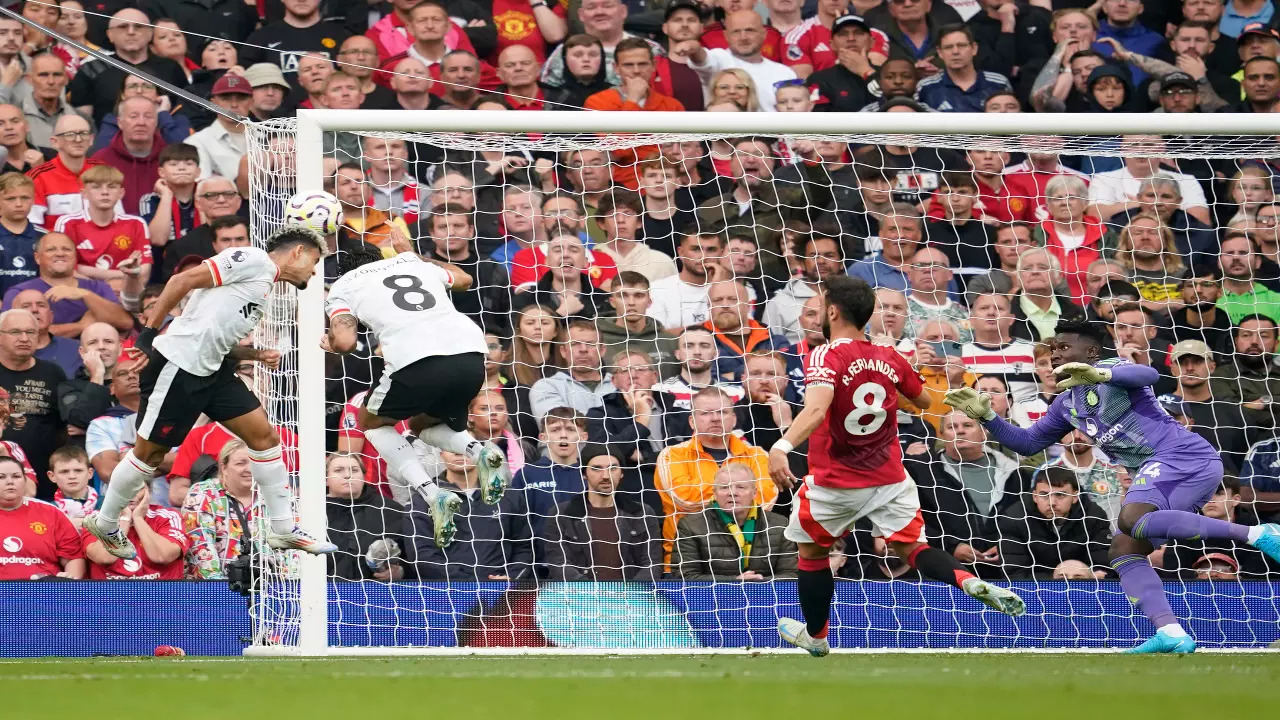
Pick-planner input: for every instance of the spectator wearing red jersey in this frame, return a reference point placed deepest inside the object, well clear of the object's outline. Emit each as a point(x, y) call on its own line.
point(855, 49)
point(1070, 233)
point(683, 21)
point(1029, 178)
point(392, 34)
point(809, 47)
point(157, 533)
point(135, 151)
point(995, 201)
point(538, 25)
point(109, 245)
point(714, 34)
point(434, 36)
point(38, 540)
point(57, 182)
point(518, 70)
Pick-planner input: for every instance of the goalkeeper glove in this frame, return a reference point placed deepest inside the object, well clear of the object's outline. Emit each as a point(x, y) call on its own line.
point(970, 402)
point(1081, 374)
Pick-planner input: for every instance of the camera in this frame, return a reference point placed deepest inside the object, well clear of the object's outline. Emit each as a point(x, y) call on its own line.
point(242, 574)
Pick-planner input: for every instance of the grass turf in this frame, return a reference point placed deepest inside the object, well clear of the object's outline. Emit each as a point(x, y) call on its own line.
point(786, 687)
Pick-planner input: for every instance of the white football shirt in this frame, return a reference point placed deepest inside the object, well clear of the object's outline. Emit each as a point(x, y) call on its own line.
point(405, 301)
point(215, 319)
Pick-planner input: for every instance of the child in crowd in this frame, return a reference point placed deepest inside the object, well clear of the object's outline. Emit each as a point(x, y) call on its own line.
point(109, 243)
point(69, 470)
point(171, 210)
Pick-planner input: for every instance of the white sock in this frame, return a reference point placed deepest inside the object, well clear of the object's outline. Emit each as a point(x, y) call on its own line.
point(126, 480)
point(1173, 630)
point(455, 441)
point(401, 459)
point(1255, 532)
point(272, 478)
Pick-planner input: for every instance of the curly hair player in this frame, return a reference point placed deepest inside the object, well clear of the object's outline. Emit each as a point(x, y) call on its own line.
point(850, 410)
point(1174, 471)
point(435, 367)
point(191, 369)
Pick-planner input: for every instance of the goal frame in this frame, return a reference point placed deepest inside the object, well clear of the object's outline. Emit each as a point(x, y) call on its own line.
point(312, 637)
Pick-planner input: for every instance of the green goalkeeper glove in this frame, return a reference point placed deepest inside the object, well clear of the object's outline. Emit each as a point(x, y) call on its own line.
point(970, 402)
point(1080, 374)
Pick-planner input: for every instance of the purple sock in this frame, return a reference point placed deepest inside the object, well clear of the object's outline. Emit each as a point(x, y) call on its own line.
point(1144, 588)
point(1179, 525)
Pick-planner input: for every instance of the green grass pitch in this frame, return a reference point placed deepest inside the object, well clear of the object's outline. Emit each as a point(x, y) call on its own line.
point(783, 687)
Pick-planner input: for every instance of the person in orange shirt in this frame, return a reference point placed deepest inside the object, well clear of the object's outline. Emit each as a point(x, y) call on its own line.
point(359, 217)
point(633, 60)
point(685, 478)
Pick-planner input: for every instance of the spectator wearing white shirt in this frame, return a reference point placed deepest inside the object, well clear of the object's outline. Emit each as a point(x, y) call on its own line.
point(744, 31)
point(1116, 191)
point(222, 144)
point(110, 435)
point(680, 300)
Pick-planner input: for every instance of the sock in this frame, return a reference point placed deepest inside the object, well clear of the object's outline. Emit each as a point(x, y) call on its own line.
point(939, 565)
point(1174, 630)
point(1144, 589)
point(1254, 533)
point(455, 441)
point(272, 478)
point(401, 459)
point(126, 480)
point(816, 587)
point(1179, 525)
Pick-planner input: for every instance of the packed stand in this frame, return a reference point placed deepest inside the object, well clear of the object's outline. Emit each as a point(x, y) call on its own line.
point(648, 312)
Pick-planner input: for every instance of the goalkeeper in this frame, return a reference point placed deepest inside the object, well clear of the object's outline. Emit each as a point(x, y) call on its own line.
point(1174, 471)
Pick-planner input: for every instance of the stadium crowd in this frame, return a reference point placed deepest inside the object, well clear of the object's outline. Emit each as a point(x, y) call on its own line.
point(648, 311)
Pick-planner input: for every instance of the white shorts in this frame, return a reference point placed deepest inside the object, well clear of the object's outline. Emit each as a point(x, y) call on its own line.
point(821, 515)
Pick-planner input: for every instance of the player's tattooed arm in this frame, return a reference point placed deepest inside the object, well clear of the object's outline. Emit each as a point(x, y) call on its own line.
point(341, 337)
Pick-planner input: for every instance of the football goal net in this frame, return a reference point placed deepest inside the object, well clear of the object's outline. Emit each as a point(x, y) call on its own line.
point(649, 287)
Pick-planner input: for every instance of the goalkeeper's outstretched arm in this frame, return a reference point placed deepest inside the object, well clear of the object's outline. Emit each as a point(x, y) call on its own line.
point(1043, 433)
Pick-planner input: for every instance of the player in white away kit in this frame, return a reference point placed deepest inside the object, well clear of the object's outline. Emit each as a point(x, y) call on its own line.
point(434, 368)
point(850, 409)
point(191, 370)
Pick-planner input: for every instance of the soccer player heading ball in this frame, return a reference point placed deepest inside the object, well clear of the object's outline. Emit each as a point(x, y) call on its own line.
point(1175, 472)
point(850, 409)
point(435, 368)
point(191, 369)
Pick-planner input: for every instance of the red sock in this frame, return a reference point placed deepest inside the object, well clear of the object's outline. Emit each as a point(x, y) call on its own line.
point(938, 565)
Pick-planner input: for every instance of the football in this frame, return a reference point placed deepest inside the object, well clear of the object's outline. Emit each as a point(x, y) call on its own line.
point(316, 209)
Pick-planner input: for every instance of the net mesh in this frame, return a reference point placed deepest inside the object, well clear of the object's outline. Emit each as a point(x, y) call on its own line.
point(1139, 231)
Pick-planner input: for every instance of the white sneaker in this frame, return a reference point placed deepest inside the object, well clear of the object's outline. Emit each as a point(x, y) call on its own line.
point(114, 542)
point(995, 597)
point(299, 539)
point(796, 633)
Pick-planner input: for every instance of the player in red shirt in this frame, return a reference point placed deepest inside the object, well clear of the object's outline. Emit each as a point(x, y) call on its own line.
point(849, 419)
point(108, 243)
point(36, 539)
point(156, 532)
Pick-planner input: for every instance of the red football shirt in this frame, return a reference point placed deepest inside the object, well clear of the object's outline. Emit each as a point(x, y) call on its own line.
point(857, 444)
point(106, 246)
point(375, 468)
point(209, 439)
point(167, 524)
point(33, 539)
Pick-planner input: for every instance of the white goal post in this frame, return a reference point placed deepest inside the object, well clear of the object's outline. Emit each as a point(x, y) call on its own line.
point(300, 621)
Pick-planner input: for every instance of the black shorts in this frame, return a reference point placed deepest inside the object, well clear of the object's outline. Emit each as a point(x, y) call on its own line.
point(173, 399)
point(441, 386)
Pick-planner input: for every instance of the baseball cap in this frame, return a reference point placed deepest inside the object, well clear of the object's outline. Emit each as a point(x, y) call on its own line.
point(850, 19)
point(1118, 288)
point(1206, 562)
point(265, 74)
point(1172, 404)
point(230, 84)
point(1190, 347)
point(1178, 78)
point(678, 5)
point(1257, 28)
